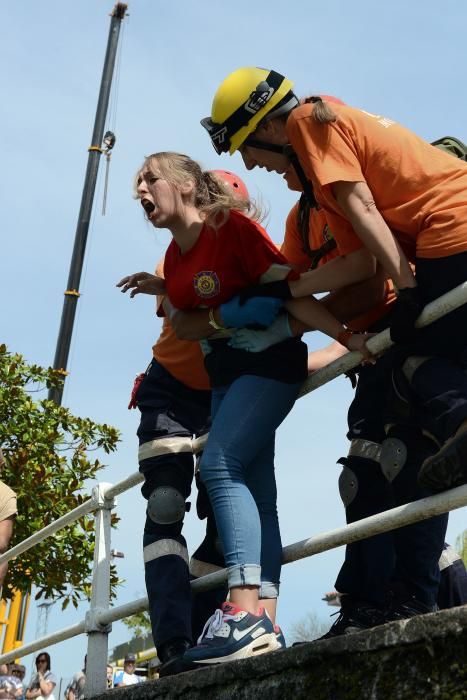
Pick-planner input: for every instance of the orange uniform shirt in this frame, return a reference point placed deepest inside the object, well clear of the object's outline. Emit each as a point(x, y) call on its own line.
point(183, 359)
point(318, 233)
point(420, 190)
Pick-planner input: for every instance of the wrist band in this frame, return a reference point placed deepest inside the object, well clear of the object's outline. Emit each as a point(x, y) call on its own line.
point(344, 337)
point(213, 322)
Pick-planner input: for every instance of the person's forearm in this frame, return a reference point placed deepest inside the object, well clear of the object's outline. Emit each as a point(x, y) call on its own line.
point(312, 314)
point(337, 273)
point(45, 687)
point(357, 203)
point(350, 302)
point(191, 325)
point(317, 359)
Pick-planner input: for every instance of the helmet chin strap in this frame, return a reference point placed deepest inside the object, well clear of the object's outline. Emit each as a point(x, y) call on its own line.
point(287, 150)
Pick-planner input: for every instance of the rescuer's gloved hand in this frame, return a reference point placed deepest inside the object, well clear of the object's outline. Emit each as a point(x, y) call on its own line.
point(407, 309)
point(257, 341)
point(279, 289)
point(258, 310)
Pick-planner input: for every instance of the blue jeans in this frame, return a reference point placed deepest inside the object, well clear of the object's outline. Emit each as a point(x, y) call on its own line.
point(237, 468)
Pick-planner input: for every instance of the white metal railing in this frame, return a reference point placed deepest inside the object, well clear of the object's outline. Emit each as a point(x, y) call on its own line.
point(98, 619)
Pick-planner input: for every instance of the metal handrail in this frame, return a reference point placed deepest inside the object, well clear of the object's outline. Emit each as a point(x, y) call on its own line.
point(97, 623)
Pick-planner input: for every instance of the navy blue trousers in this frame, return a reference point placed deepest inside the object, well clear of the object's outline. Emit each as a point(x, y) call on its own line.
point(404, 560)
point(441, 383)
point(171, 414)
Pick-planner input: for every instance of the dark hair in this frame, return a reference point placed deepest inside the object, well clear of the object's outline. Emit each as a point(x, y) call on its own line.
point(47, 656)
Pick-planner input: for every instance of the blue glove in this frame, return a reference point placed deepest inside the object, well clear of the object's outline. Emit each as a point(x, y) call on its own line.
point(257, 310)
point(257, 341)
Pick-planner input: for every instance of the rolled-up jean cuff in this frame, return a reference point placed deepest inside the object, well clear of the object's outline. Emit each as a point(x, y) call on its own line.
point(269, 589)
point(244, 575)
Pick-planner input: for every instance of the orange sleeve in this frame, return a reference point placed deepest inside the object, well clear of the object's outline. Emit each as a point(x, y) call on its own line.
point(159, 272)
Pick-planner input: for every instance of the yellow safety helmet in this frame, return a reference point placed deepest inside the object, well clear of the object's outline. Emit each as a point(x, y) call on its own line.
point(242, 100)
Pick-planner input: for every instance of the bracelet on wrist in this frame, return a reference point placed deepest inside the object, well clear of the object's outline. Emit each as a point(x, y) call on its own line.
point(213, 322)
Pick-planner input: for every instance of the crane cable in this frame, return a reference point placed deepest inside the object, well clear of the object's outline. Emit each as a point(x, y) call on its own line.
point(109, 136)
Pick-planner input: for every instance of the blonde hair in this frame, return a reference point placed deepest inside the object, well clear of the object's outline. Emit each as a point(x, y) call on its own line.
point(322, 111)
point(212, 196)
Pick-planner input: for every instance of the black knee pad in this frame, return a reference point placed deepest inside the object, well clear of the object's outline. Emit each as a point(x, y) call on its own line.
point(363, 489)
point(402, 455)
point(166, 490)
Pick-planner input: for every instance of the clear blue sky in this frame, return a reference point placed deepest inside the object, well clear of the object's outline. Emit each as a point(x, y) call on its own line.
point(404, 60)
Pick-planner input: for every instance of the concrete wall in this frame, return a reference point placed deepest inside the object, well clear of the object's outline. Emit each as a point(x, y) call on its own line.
point(417, 659)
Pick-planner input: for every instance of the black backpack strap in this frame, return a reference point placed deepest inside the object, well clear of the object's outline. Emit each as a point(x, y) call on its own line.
point(303, 223)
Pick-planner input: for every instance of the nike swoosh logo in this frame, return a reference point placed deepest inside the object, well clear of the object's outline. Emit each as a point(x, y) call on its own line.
point(237, 634)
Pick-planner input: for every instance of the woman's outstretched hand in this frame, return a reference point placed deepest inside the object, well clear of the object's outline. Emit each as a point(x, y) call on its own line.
point(142, 283)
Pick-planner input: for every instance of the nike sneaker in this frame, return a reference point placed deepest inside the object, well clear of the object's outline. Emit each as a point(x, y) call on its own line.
point(280, 637)
point(230, 634)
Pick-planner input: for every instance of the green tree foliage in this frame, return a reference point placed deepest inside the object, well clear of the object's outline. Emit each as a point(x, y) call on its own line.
point(139, 624)
point(48, 453)
point(461, 546)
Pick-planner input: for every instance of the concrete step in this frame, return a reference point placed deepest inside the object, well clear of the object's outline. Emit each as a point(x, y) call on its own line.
point(417, 659)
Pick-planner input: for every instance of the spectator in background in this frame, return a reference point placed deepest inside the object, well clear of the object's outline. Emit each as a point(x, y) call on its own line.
point(75, 689)
point(19, 671)
point(110, 676)
point(7, 515)
point(128, 675)
point(10, 683)
point(43, 681)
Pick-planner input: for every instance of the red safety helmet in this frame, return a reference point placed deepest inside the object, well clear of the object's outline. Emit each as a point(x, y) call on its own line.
point(235, 183)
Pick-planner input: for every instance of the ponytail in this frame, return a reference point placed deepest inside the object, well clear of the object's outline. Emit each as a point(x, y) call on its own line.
point(322, 112)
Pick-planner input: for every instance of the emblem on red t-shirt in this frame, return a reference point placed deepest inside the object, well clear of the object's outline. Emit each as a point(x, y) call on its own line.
point(206, 284)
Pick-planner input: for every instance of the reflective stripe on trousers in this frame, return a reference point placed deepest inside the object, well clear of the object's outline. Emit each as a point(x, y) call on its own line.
point(162, 548)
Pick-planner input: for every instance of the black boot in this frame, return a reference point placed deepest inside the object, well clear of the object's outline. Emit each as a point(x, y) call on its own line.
point(408, 608)
point(171, 657)
point(355, 616)
point(448, 467)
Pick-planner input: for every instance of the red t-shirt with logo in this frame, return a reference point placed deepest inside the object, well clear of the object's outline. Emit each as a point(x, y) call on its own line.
point(220, 264)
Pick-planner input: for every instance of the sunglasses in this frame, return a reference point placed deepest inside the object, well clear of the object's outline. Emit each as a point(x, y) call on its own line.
point(41, 661)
